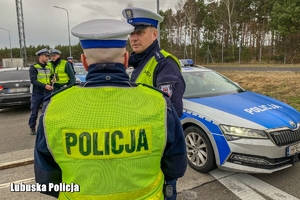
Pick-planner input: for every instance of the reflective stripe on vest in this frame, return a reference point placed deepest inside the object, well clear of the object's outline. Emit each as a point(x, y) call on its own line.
point(60, 69)
point(146, 76)
point(101, 148)
point(43, 74)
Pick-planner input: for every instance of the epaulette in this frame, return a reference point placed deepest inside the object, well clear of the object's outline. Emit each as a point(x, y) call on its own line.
point(159, 56)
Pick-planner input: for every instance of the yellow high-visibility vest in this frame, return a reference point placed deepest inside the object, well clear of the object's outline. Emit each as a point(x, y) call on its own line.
point(109, 141)
point(43, 75)
point(59, 70)
point(146, 76)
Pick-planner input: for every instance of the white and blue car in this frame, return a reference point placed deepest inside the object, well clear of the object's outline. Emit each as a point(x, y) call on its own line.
point(233, 129)
point(80, 73)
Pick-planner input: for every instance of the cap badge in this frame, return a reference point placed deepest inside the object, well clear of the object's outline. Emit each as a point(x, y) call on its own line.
point(128, 13)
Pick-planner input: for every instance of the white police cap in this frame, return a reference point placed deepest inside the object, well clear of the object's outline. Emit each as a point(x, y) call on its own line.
point(102, 33)
point(55, 51)
point(140, 17)
point(42, 52)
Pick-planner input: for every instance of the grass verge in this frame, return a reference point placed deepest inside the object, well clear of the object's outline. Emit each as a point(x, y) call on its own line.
point(283, 86)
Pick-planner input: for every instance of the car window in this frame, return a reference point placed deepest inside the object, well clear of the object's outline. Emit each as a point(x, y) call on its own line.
point(14, 75)
point(208, 83)
point(80, 70)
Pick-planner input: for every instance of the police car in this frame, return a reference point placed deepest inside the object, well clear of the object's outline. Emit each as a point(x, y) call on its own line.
point(233, 129)
point(80, 73)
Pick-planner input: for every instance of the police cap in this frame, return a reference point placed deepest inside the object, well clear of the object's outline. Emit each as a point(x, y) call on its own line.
point(70, 58)
point(102, 33)
point(141, 18)
point(55, 52)
point(42, 52)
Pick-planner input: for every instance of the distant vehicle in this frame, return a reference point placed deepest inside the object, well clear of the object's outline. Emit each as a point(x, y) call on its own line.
point(14, 87)
point(80, 73)
point(233, 129)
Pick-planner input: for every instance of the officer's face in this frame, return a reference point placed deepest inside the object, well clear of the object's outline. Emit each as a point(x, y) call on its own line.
point(54, 57)
point(43, 58)
point(140, 40)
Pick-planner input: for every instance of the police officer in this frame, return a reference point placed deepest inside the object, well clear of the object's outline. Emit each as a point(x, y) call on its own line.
point(61, 70)
point(70, 61)
point(39, 74)
point(152, 65)
point(114, 158)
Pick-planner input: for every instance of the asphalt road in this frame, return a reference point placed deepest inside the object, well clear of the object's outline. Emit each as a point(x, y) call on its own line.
point(219, 185)
point(14, 129)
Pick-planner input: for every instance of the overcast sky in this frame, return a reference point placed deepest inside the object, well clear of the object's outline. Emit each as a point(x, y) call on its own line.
point(47, 25)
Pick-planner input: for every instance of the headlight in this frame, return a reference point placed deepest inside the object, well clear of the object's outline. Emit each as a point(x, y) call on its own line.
point(242, 132)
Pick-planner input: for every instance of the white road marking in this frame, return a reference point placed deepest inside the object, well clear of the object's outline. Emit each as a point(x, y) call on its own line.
point(247, 187)
point(27, 180)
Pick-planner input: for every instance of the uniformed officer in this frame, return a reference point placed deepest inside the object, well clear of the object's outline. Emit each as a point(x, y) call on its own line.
point(62, 71)
point(152, 65)
point(91, 141)
point(39, 74)
point(71, 62)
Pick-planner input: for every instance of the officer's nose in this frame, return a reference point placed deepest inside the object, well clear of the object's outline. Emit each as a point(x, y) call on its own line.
point(133, 37)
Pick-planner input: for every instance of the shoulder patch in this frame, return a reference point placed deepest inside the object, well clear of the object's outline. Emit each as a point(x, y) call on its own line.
point(162, 92)
point(166, 88)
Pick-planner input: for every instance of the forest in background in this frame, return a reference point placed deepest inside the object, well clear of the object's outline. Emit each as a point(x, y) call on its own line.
point(217, 31)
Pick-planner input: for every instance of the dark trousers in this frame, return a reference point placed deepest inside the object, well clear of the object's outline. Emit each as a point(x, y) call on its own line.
point(36, 101)
point(173, 184)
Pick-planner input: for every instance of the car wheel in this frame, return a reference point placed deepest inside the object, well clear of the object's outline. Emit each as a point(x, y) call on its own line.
point(199, 150)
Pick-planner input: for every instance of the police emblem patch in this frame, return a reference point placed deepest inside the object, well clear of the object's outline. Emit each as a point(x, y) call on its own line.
point(128, 13)
point(167, 88)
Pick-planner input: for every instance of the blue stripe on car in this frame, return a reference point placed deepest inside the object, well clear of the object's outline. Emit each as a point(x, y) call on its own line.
point(257, 108)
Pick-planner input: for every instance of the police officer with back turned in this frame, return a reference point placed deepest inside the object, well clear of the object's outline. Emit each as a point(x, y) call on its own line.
point(39, 74)
point(152, 65)
point(92, 144)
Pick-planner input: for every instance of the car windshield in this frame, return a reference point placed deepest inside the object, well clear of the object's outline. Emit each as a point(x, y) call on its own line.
point(14, 75)
point(208, 83)
point(80, 70)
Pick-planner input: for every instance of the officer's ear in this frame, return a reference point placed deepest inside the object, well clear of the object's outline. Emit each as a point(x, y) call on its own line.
point(83, 60)
point(126, 59)
point(154, 32)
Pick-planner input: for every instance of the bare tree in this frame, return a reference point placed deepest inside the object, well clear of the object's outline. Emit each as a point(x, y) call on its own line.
point(190, 11)
point(179, 24)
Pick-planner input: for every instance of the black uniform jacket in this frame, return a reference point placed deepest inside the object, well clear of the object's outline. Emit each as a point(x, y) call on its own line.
point(167, 74)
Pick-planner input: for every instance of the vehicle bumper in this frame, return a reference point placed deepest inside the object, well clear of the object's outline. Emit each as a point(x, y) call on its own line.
point(9, 101)
point(257, 156)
